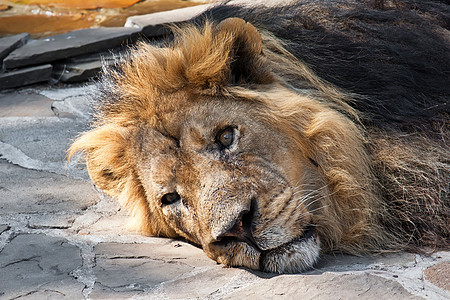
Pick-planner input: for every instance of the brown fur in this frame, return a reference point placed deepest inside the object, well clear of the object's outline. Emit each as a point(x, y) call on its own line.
point(298, 135)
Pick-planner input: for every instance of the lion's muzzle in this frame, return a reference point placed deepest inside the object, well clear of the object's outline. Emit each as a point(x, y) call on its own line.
point(241, 231)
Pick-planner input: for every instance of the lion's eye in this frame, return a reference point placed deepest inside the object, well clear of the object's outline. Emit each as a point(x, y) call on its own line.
point(170, 198)
point(225, 137)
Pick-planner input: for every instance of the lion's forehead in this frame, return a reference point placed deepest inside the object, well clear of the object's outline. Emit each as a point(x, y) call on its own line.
point(192, 111)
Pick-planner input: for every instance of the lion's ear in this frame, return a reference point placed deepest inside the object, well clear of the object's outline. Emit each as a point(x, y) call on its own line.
point(106, 157)
point(247, 63)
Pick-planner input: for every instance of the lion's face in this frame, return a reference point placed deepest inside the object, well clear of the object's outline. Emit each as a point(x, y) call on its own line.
point(207, 141)
point(223, 178)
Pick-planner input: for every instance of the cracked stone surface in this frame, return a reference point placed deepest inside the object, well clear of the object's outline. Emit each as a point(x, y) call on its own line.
point(325, 286)
point(62, 238)
point(38, 263)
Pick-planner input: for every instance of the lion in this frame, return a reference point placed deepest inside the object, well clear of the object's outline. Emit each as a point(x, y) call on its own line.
point(270, 135)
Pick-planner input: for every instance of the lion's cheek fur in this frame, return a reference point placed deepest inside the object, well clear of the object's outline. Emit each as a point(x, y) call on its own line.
point(348, 208)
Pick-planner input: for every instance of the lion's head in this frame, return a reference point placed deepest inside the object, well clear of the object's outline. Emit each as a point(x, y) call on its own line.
point(208, 139)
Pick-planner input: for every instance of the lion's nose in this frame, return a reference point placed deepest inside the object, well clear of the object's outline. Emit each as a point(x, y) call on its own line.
point(241, 227)
point(240, 231)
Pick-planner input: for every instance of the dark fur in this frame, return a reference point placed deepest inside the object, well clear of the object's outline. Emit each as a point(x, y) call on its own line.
point(395, 55)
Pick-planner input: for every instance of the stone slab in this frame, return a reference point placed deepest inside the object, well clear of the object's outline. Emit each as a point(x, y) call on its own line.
point(208, 283)
point(142, 274)
point(43, 139)
point(116, 224)
point(3, 228)
point(25, 76)
point(326, 286)
point(73, 107)
point(51, 220)
point(344, 262)
point(25, 105)
point(77, 72)
point(82, 68)
point(9, 43)
point(28, 122)
point(30, 191)
point(33, 265)
point(162, 249)
point(160, 266)
point(70, 44)
point(59, 94)
point(156, 24)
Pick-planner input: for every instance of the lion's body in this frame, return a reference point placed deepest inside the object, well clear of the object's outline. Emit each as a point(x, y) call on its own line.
point(228, 139)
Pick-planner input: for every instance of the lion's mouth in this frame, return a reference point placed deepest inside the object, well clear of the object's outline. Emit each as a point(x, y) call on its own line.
point(295, 256)
point(308, 233)
point(249, 239)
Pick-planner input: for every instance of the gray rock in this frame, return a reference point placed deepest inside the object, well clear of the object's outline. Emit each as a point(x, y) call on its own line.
point(156, 24)
point(72, 107)
point(326, 286)
point(3, 228)
point(145, 269)
point(25, 76)
point(113, 222)
point(31, 192)
point(9, 43)
point(82, 68)
point(162, 249)
point(51, 220)
point(70, 44)
point(77, 72)
point(344, 263)
point(41, 139)
point(103, 292)
point(36, 265)
point(25, 105)
point(146, 265)
point(59, 94)
point(167, 268)
point(207, 283)
point(32, 137)
point(142, 274)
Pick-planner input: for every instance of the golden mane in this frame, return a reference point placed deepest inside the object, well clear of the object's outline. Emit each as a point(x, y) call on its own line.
point(200, 61)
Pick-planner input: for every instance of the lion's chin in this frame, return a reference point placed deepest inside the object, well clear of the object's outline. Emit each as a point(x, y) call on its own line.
point(294, 257)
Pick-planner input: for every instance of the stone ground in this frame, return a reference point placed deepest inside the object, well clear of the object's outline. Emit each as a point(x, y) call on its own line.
point(62, 238)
